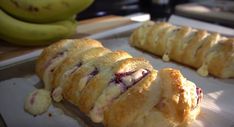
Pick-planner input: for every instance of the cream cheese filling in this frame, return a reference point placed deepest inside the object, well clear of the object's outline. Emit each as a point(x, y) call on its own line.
point(113, 90)
point(67, 73)
point(57, 92)
point(130, 79)
point(166, 58)
point(83, 81)
point(47, 76)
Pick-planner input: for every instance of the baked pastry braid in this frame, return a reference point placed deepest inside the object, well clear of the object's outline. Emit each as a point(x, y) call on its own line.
point(108, 85)
point(207, 52)
point(55, 54)
point(117, 90)
point(73, 63)
point(79, 79)
point(167, 107)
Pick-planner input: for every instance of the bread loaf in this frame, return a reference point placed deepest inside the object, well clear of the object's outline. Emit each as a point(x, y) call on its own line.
point(207, 52)
point(115, 89)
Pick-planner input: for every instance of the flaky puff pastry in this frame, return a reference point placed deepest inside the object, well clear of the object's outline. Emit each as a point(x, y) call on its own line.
point(53, 55)
point(70, 65)
point(103, 88)
point(191, 47)
point(220, 59)
point(78, 80)
point(146, 33)
point(163, 99)
point(120, 91)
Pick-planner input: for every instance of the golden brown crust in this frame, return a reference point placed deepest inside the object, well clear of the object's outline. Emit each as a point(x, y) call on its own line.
point(175, 52)
point(161, 46)
point(143, 96)
point(139, 35)
point(171, 80)
point(203, 50)
point(184, 45)
point(132, 103)
point(95, 87)
point(74, 87)
point(74, 60)
point(131, 64)
point(156, 28)
point(48, 53)
point(148, 119)
point(189, 52)
point(93, 90)
point(179, 96)
point(174, 103)
point(66, 45)
point(220, 65)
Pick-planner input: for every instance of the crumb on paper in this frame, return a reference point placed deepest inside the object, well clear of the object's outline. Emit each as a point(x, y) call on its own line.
point(50, 114)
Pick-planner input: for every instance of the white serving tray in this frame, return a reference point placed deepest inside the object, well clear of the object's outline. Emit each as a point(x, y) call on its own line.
point(16, 82)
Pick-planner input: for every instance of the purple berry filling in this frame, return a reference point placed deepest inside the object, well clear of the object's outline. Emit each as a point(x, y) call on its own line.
point(52, 70)
point(92, 74)
point(199, 94)
point(76, 67)
point(118, 79)
point(47, 64)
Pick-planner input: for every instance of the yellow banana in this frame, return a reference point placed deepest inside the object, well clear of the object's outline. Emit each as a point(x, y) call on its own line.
point(44, 11)
point(24, 33)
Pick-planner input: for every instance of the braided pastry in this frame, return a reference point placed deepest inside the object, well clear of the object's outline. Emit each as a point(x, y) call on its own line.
point(115, 89)
point(207, 52)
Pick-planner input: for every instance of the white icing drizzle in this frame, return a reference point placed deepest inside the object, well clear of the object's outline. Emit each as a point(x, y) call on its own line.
point(166, 57)
point(203, 70)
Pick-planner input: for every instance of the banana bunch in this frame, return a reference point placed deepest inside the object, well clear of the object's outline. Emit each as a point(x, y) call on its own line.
point(39, 22)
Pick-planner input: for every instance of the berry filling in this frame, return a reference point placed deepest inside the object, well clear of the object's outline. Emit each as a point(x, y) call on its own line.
point(86, 79)
point(128, 79)
point(92, 74)
point(199, 95)
point(75, 68)
point(118, 85)
point(59, 54)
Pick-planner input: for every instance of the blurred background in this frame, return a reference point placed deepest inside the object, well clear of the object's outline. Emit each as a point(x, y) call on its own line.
point(214, 11)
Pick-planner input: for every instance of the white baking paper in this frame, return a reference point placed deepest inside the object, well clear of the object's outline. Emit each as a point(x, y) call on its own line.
point(217, 105)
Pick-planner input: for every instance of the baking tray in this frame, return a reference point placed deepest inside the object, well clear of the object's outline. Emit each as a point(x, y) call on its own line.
point(216, 11)
point(16, 82)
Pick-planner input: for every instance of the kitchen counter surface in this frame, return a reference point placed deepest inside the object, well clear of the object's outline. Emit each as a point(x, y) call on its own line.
point(84, 28)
